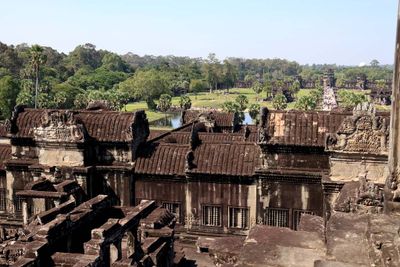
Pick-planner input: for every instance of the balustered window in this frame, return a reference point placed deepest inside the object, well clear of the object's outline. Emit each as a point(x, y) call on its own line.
point(3, 199)
point(211, 215)
point(276, 217)
point(17, 203)
point(239, 218)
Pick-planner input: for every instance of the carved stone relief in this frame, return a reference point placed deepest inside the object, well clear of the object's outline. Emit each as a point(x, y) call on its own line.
point(59, 126)
point(363, 133)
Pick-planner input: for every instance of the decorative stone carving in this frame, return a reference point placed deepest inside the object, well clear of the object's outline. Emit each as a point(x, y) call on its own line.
point(208, 120)
point(60, 127)
point(362, 196)
point(369, 194)
point(262, 135)
point(361, 133)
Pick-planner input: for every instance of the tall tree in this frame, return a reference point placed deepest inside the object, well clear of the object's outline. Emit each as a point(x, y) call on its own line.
point(9, 89)
point(254, 112)
point(164, 104)
point(267, 87)
point(37, 59)
point(306, 102)
point(146, 85)
point(212, 71)
point(349, 99)
point(230, 74)
point(185, 102)
point(374, 63)
point(257, 88)
point(243, 101)
point(231, 107)
point(294, 88)
point(279, 102)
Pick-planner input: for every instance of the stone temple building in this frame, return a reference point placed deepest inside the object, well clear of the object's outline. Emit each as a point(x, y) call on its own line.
point(96, 187)
point(215, 176)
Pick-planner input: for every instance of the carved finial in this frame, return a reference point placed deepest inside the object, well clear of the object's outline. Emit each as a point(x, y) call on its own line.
point(194, 136)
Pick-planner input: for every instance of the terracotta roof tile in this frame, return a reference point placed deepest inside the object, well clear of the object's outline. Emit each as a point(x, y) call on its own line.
point(304, 128)
point(233, 159)
point(176, 137)
point(162, 159)
point(184, 137)
point(107, 125)
point(155, 133)
point(5, 154)
point(221, 137)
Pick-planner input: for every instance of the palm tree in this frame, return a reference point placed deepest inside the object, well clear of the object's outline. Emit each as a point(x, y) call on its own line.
point(37, 59)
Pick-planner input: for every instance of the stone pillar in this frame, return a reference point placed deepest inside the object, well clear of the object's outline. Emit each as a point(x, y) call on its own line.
point(392, 192)
point(10, 192)
point(252, 200)
point(25, 214)
point(188, 202)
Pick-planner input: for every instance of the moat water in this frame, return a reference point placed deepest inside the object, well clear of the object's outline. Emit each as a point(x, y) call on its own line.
point(173, 120)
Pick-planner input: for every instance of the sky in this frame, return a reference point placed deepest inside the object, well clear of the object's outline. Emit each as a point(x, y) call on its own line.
point(344, 32)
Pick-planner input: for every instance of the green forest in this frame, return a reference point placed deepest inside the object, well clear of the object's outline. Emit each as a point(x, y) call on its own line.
point(38, 76)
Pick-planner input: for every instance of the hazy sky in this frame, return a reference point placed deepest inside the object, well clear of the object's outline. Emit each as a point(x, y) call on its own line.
point(308, 31)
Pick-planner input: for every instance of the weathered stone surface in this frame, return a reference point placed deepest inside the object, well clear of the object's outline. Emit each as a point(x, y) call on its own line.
point(311, 223)
point(272, 246)
point(61, 241)
point(223, 251)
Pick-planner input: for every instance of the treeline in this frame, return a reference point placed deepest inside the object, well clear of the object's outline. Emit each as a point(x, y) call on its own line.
point(43, 77)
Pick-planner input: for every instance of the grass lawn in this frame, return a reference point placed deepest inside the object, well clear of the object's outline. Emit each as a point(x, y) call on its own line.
point(217, 98)
point(207, 100)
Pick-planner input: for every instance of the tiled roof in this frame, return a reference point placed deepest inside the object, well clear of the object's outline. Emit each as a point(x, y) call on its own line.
point(232, 159)
point(100, 125)
point(302, 128)
point(155, 133)
point(252, 129)
point(176, 137)
point(221, 137)
point(107, 125)
point(305, 128)
point(5, 154)
point(162, 159)
point(27, 120)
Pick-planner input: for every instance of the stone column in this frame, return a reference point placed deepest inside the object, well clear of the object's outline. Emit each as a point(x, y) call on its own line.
point(392, 192)
point(25, 214)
